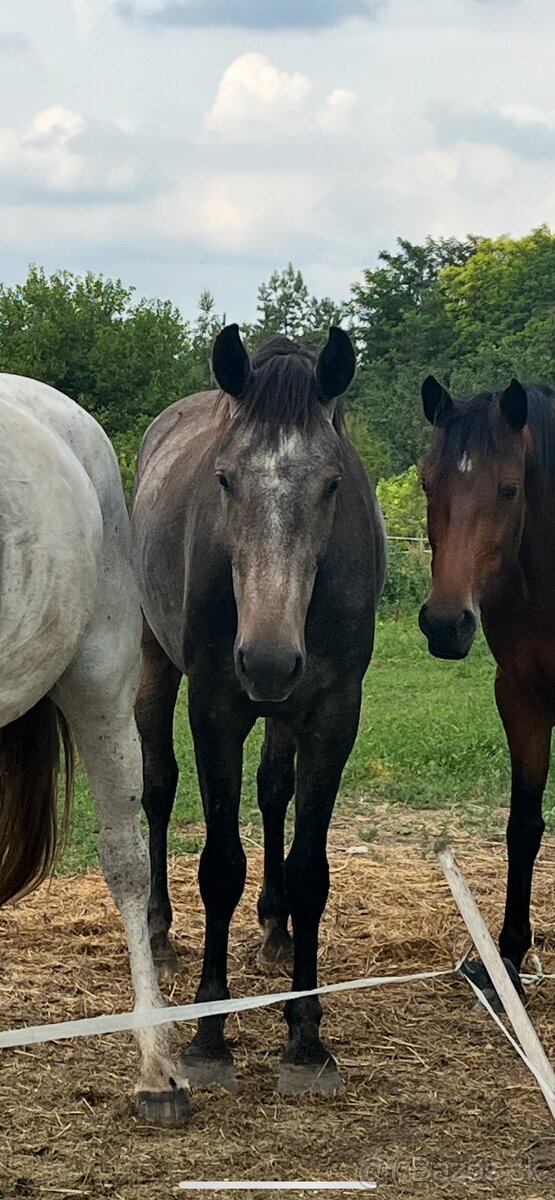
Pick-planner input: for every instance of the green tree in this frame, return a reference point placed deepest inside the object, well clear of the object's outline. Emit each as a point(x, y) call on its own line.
point(403, 331)
point(285, 306)
point(204, 330)
point(504, 284)
point(122, 360)
point(402, 291)
point(403, 505)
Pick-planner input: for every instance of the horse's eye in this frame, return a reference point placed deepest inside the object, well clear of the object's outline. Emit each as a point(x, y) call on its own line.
point(508, 492)
point(223, 481)
point(333, 485)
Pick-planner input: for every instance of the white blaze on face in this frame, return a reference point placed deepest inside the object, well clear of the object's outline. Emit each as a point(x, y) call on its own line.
point(465, 464)
point(276, 491)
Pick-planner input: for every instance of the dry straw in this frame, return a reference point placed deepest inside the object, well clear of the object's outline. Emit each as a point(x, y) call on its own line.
point(435, 1104)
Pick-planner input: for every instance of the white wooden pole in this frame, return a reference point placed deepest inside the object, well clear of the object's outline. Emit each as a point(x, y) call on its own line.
point(494, 965)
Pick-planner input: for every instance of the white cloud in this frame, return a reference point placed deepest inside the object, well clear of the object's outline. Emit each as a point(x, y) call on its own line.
point(13, 42)
point(43, 150)
point(183, 157)
point(334, 114)
point(409, 175)
point(528, 114)
point(62, 154)
point(253, 92)
point(254, 95)
point(238, 211)
point(89, 13)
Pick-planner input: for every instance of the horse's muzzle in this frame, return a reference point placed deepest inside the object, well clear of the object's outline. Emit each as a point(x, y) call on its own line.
point(449, 636)
point(269, 671)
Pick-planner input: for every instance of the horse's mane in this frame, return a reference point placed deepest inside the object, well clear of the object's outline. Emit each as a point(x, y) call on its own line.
point(472, 426)
point(282, 393)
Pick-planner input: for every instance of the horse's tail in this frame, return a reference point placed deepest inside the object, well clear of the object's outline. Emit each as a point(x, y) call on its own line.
point(30, 831)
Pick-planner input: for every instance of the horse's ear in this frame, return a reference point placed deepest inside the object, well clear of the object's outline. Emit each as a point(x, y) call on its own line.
point(436, 399)
point(230, 362)
point(513, 403)
point(336, 365)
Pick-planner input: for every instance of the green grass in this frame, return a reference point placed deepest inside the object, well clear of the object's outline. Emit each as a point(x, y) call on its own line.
point(429, 738)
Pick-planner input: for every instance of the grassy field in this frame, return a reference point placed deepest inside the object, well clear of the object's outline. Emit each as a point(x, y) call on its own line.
point(430, 738)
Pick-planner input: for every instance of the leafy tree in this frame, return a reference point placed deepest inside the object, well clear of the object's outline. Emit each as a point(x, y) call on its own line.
point(504, 284)
point(285, 306)
point(207, 325)
point(374, 452)
point(403, 505)
point(404, 286)
point(122, 360)
point(472, 312)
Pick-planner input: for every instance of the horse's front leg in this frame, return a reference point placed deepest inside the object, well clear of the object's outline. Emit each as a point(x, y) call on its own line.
point(323, 749)
point(218, 733)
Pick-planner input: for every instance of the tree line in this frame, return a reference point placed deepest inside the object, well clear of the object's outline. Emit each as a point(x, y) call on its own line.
point(474, 312)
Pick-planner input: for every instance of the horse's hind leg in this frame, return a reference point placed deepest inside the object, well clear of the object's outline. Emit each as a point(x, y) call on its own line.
point(528, 731)
point(96, 695)
point(276, 784)
point(154, 711)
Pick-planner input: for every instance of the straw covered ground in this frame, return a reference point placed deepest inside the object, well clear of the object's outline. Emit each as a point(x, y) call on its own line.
point(437, 1104)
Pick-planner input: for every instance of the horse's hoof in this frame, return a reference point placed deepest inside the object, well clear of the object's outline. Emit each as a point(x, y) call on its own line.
point(322, 1079)
point(474, 969)
point(167, 1110)
point(209, 1072)
point(164, 956)
point(276, 949)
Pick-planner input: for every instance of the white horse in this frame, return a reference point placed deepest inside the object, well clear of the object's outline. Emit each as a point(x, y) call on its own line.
point(70, 631)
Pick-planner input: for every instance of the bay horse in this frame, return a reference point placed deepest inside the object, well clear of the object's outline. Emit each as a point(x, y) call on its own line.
point(70, 633)
point(259, 550)
point(490, 487)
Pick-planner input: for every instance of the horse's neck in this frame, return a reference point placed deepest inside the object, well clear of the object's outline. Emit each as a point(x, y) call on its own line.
point(537, 551)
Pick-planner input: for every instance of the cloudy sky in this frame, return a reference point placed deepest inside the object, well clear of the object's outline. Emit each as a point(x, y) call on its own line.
point(183, 144)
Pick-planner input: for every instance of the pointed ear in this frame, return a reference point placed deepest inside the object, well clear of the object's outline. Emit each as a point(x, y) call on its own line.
point(336, 365)
point(513, 403)
point(436, 399)
point(230, 362)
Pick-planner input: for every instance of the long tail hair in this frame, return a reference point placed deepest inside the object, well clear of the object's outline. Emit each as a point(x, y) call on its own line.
point(30, 832)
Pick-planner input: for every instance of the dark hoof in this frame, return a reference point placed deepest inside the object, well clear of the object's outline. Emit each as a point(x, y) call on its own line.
point(209, 1072)
point(276, 949)
point(322, 1079)
point(164, 956)
point(168, 1110)
point(474, 969)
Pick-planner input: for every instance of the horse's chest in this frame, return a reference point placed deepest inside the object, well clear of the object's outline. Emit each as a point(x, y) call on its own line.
point(529, 664)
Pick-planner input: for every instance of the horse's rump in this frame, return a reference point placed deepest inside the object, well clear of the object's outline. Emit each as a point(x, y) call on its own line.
point(30, 832)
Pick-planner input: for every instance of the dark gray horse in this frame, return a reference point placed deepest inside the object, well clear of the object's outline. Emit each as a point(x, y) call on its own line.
point(259, 550)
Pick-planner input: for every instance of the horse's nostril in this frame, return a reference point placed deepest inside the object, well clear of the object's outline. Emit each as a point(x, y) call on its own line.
point(297, 669)
point(241, 662)
point(423, 620)
point(467, 619)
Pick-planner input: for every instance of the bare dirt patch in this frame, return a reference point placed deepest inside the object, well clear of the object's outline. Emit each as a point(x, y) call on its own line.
point(437, 1104)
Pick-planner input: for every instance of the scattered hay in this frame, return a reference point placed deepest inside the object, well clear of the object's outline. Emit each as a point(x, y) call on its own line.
point(437, 1104)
